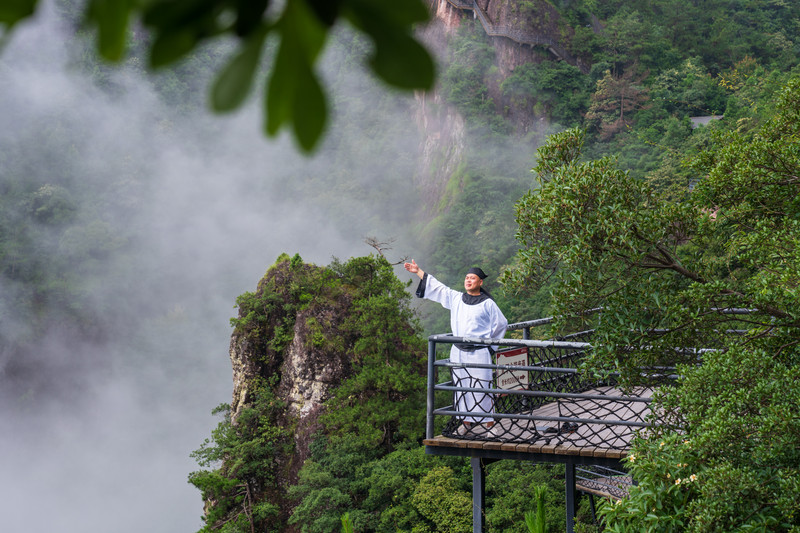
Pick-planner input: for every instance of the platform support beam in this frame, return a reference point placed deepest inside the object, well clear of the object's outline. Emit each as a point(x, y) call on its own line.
point(478, 495)
point(569, 478)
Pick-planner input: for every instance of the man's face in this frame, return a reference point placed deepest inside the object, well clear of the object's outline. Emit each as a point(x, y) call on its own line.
point(473, 283)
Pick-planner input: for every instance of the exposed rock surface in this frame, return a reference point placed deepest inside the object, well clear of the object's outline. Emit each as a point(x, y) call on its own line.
point(522, 32)
point(443, 130)
point(306, 370)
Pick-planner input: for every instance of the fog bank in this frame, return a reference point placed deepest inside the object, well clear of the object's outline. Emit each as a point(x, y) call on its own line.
point(96, 432)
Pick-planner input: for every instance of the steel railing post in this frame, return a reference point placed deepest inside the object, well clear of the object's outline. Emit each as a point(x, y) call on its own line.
point(431, 385)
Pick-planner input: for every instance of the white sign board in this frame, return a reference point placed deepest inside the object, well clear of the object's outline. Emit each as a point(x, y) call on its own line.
point(512, 379)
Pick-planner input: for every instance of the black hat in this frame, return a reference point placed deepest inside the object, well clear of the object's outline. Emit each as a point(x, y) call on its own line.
point(477, 271)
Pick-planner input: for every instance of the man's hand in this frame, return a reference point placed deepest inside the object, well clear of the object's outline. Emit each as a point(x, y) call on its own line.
point(414, 269)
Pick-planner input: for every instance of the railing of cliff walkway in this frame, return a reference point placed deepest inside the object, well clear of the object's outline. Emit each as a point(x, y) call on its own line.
point(550, 400)
point(509, 32)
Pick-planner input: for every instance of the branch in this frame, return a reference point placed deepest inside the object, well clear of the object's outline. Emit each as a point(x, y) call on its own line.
point(666, 260)
point(381, 246)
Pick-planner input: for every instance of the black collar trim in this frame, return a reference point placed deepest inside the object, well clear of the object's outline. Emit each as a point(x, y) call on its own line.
point(475, 300)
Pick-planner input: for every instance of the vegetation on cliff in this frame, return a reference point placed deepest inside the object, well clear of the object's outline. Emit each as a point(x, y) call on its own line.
point(356, 314)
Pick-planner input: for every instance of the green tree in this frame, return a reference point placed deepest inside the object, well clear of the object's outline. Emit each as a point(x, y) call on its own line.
point(244, 456)
point(614, 104)
point(689, 90)
point(664, 272)
point(439, 499)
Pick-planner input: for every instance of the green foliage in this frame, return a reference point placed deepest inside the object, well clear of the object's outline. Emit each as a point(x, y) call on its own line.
point(438, 499)
point(537, 522)
point(14, 11)
point(660, 268)
point(294, 94)
point(511, 492)
point(464, 80)
point(374, 489)
point(588, 228)
point(733, 467)
point(390, 484)
point(382, 402)
point(688, 90)
point(244, 456)
point(346, 526)
point(668, 474)
point(558, 86)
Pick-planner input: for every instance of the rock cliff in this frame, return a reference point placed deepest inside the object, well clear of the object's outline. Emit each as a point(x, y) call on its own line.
point(521, 32)
point(285, 347)
point(314, 350)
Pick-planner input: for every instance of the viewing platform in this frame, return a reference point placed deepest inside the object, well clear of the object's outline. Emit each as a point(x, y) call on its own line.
point(545, 410)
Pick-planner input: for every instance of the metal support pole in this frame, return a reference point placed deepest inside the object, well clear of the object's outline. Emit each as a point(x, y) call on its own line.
point(431, 384)
point(478, 494)
point(526, 333)
point(594, 510)
point(570, 493)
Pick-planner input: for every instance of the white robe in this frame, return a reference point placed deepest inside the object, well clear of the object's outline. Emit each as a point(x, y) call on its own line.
point(483, 319)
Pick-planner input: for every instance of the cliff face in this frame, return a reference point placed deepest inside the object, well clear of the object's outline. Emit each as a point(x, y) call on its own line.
point(521, 32)
point(307, 376)
point(305, 369)
point(443, 132)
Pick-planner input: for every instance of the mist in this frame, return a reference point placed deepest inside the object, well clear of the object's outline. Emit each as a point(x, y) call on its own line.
point(96, 430)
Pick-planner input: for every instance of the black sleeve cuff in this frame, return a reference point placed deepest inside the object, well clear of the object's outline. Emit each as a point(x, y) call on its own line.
point(421, 286)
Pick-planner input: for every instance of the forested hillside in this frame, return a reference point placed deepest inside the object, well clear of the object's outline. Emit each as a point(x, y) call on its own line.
point(653, 67)
point(123, 234)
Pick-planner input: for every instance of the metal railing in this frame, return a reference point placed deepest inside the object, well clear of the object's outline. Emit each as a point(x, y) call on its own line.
point(544, 400)
point(544, 396)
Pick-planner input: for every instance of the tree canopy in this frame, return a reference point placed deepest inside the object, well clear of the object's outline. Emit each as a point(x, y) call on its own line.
point(670, 277)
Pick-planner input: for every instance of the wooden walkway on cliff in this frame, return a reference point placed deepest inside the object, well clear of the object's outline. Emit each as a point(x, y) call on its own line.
point(519, 36)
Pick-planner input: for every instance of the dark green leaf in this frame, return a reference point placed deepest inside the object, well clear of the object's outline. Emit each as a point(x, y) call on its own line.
point(412, 68)
point(250, 14)
point(303, 29)
point(309, 110)
point(171, 46)
point(111, 17)
point(294, 94)
point(235, 80)
point(12, 11)
point(181, 14)
point(326, 10)
point(280, 90)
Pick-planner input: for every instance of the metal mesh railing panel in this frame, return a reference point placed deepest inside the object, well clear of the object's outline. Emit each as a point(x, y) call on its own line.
point(603, 481)
point(545, 400)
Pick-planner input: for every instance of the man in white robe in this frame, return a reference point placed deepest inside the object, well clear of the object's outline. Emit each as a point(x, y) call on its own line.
point(472, 314)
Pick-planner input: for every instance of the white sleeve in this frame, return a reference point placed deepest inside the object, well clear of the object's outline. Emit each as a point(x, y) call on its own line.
point(440, 293)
